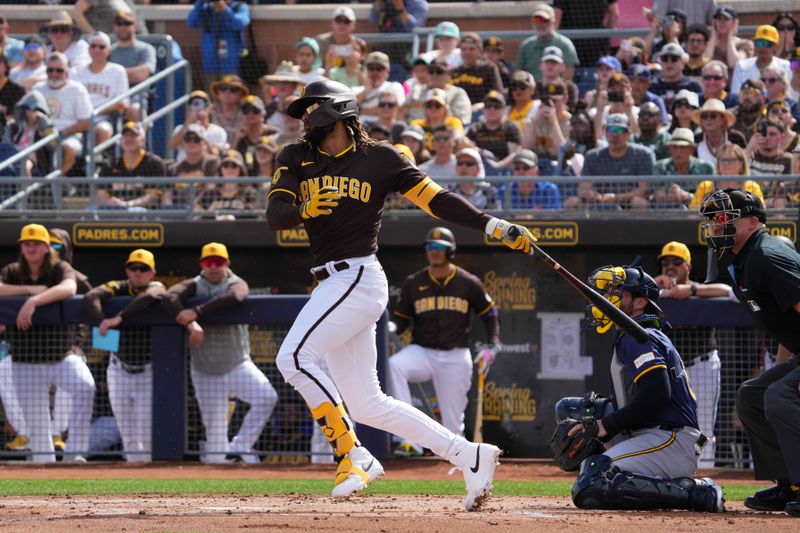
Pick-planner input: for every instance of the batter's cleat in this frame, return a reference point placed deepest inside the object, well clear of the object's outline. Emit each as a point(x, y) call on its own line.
point(356, 471)
point(477, 462)
point(407, 449)
point(58, 443)
point(19, 444)
point(770, 499)
point(715, 496)
point(793, 507)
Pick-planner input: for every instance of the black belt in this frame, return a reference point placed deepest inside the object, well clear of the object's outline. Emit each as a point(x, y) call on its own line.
point(130, 369)
point(701, 440)
point(323, 274)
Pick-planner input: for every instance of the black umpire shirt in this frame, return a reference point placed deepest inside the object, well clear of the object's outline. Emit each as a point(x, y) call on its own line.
point(766, 279)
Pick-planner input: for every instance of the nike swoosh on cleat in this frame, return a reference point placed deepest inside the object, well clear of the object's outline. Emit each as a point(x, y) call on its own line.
point(370, 465)
point(477, 466)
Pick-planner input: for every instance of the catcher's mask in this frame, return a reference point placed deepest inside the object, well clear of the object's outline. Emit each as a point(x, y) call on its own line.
point(325, 102)
point(723, 209)
point(610, 281)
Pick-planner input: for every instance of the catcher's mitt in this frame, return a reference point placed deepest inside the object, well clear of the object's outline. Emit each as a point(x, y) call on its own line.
point(568, 452)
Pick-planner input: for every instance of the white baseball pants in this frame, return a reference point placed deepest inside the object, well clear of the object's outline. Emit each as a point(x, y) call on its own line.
point(8, 395)
point(131, 398)
point(705, 377)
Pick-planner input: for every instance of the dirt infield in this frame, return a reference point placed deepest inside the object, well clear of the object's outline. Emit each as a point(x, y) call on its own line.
point(379, 513)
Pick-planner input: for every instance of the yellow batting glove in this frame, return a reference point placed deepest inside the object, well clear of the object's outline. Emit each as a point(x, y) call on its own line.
point(515, 236)
point(322, 202)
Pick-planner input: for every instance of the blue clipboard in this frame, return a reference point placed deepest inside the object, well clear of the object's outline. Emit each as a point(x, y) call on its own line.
point(109, 343)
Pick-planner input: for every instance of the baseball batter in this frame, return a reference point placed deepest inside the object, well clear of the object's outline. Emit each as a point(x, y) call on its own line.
point(221, 364)
point(440, 300)
point(130, 372)
point(335, 183)
point(652, 417)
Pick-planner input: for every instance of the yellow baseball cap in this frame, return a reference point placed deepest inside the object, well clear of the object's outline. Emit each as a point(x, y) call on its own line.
point(768, 33)
point(34, 232)
point(142, 256)
point(677, 249)
point(214, 249)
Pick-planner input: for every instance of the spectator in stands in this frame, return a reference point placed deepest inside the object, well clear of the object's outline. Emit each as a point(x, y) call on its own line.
point(521, 92)
point(581, 140)
point(640, 79)
point(715, 122)
point(789, 33)
point(552, 69)
point(70, 107)
point(538, 194)
point(493, 53)
point(680, 162)
point(65, 37)
point(683, 107)
point(605, 69)
point(197, 163)
point(631, 52)
point(549, 128)
point(339, 43)
point(104, 81)
point(398, 16)
point(290, 131)
point(652, 132)
point(134, 162)
point(351, 73)
point(443, 162)
point(617, 99)
point(306, 55)
point(198, 113)
point(714, 79)
point(697, 36)
point(97, 15)
point(672, 60)
point(532, 49)
point(138, 58)
point(32, 70)
point(12, 48)
point(475, 75)
point(388, 109)
point(414, 138)
point(794, 84)
point(437, 112)
point(264, 160)
point(31, 123)
point(780, 110)
point(446, 40)
point(693, 11)
point(619, 158)
point(275, 88)
point(576, 15)
point(766, 43)
point(666, 29)
point(456, 97)
point(226, 112)
point(765, 149)
point(379, 133)
point(251, 128)
point(752, 102)
point(776, 85)
point(731, 161)
point(471, 184)
point(10, 92)
point(377, 82)
point(221, 23)
point(416, 86)
point(724, 45)
point(494, 133)
point(230, 195)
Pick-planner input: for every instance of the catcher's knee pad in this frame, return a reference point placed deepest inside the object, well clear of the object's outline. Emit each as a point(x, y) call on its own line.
point(576, 407)
point(336, 426)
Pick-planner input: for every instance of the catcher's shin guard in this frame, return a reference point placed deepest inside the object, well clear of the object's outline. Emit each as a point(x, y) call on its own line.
point(336, 426)
point(603, 486)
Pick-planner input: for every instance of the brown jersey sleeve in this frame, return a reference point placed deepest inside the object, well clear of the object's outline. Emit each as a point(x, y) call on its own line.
point(284, 195)
point(93, 301)
point(177, 294)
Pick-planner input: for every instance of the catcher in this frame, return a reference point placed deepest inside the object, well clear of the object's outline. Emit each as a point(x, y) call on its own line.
point(649, 425)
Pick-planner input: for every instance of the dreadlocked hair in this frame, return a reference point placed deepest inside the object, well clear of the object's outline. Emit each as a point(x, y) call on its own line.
point(360, 135)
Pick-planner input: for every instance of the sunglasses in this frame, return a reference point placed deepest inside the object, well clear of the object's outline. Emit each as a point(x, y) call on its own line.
point(674, 261)
point(192, 138)
point(649, 115)
point(469, 163)
point(779, 110)
point(58, 70)
point(709, 116)
point(763, 43)
point(57, 247)
point(493, 106)
point(375, 68)
point(770, 81)
point(230, 164)
point(710, 77)
point(785, 27)
point(32, 47)
point(342, 20)
point(212, 262)
point(61, 29)
point(387, 104)
point(96, 46)
point(540, 20)
point(138, 267)
point(441, 139)
point(670, 59)
point(684, 104)
point(436, 71)
point(251, 110)
point(123, 23)
point(433, 105)
point(521, 168)
point(435, 247)
point(198, 103)
point(617, 130)
point(729, 160)
point(519, 87)
point(229, 89)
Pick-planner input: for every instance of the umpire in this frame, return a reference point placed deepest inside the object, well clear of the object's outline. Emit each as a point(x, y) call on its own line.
point(766, 279)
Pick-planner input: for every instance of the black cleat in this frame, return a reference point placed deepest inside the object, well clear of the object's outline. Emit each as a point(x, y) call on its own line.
point(769, 499)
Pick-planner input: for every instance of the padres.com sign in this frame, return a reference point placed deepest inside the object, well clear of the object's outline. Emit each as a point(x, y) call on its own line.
point(117, 234)
point(547, 233)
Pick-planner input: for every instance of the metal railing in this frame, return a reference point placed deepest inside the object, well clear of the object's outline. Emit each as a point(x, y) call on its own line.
point(22, 157)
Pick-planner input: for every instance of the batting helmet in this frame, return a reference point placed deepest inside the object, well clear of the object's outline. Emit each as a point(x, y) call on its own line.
point(611, 281)
point(326, 102)
point(722, 208)
point(444, 237)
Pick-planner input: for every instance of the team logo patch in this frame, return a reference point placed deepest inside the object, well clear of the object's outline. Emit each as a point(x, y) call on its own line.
point(644, 358)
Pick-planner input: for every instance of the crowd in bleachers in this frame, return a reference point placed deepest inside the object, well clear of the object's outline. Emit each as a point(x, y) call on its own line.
point(669, 104)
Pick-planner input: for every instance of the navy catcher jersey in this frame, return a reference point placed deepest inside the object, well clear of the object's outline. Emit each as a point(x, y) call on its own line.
point(632, 360)
point(440, 309)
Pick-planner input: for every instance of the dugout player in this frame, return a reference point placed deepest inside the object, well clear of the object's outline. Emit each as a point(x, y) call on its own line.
point(703, 365)
point(221, 363)
point(130, 372)
point(652, 417)
point(766, 279)
point(440, 300)
point(335, 183)
point(40, 353)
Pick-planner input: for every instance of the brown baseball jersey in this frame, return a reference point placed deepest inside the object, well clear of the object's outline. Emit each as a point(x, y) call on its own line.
point(441, 308)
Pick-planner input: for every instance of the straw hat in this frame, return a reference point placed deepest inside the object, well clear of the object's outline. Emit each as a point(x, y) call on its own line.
point(231, 81)
point(715, 106)
point(284, 72)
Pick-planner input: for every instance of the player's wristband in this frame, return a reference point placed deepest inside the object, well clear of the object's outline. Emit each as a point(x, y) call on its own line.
point(496, 228)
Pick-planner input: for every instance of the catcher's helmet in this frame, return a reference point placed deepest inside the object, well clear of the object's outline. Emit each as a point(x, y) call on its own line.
point(612, 280)
point(443, 236)
point(326, 102)
point(722, 208)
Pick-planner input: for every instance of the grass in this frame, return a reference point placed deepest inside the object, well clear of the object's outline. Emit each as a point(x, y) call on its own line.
point(60, 487)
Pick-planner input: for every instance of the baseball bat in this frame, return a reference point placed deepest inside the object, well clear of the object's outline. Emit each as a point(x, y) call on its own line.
point(477, 435)
point(614, 313)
